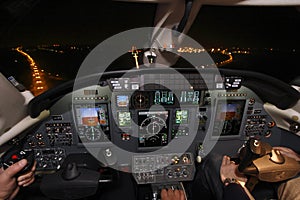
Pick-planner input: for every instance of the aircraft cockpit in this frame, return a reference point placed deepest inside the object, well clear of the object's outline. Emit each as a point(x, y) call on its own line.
point(113, 132)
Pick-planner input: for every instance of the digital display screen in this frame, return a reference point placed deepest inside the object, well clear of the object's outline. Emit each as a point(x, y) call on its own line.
point(190, 97)
point(124, 119)
point(163, 97)
point(122, 100)
point(181, 116)
point(228, 119)
point(153, 128)
point(92, 121)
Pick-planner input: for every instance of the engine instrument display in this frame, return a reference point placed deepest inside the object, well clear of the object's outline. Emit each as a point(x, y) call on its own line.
point(92, 121)
point(153, 128)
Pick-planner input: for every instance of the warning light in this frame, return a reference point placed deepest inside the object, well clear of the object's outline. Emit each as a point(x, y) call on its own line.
point(14, 157)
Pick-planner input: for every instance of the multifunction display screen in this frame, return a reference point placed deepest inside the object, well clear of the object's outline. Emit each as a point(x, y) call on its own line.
point(181, 116)
point(153, 128)
point(228, 118)
point(92, 121)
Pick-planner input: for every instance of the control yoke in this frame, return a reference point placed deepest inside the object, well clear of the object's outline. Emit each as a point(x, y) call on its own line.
point(261, 162)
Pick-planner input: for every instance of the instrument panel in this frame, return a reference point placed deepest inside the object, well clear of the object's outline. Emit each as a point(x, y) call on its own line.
point(152, 117)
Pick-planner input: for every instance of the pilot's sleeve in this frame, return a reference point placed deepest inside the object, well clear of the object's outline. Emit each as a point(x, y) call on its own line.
point(289, 190)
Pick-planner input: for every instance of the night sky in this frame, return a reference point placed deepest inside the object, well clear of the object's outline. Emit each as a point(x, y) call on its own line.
point(91, 21)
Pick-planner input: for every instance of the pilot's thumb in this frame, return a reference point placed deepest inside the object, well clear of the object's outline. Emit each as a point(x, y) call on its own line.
point(15, 168)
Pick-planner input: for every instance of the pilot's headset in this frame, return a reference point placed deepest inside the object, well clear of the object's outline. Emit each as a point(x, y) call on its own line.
point(261, 162)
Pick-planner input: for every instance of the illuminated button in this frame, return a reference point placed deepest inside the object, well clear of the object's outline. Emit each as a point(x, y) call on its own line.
point(175, 160)
point(14, 157)
point(271, 124)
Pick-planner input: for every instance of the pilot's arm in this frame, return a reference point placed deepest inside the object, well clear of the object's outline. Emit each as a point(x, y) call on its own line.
point(234, 182)
point(289, 190)
point(10, 184)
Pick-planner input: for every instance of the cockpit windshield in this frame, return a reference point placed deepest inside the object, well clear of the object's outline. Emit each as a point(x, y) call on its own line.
point(52, 38)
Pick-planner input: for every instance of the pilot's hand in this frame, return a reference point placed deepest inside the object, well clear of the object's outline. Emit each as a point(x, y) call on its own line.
point(288, 152)
point(229, 169)
point(27, 178)
point(172, 194)
point(9, 186)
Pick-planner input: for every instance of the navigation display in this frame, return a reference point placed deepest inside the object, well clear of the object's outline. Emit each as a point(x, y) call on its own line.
point(228, 119)
point(92, 121)
point(153, 128)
